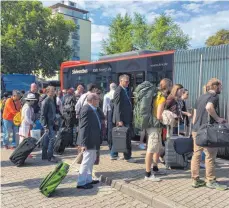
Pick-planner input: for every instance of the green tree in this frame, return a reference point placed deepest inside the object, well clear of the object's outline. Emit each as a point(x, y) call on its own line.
point(221, 37)
point(165, 35)
point(140, 32)
point(120, 36)
point(126, 34)
point(32, 40)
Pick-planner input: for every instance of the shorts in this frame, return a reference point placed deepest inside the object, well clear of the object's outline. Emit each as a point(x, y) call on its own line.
point(154, 140)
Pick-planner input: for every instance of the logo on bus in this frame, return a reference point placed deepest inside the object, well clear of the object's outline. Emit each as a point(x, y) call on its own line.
point(81, 71)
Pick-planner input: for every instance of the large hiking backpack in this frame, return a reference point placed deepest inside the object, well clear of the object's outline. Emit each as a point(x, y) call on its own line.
point(143, 106)
point(69, 104)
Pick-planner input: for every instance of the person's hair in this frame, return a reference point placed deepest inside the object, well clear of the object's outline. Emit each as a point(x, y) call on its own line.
point(23, 91)
point(41, 91)
point(211, 83)
point(49, 88)
point(91, 86)
point(113, 86)
point(123, 76)
point(92, 96)
point(185, 90)
point(164, 84)
point(175, 88)
point(79, 86)
point(59, 93)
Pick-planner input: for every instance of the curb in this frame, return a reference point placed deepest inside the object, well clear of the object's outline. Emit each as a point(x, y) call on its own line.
point(141, 195)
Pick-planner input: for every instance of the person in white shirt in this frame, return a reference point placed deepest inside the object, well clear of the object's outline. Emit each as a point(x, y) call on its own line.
point(83, 99)
point(27, 116)
point(107, 110)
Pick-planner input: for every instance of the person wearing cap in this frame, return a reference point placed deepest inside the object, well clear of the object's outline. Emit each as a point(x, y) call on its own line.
point(27, 116)
point(12, 107)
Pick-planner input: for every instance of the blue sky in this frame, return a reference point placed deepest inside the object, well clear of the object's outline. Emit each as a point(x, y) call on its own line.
point(198, 19)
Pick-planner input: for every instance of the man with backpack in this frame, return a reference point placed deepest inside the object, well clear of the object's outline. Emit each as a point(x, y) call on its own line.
point(69, 113)
point(148, 111)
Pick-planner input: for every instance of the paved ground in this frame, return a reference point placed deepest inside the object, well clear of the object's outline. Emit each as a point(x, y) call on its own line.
point(173, 191)
point(19, 187)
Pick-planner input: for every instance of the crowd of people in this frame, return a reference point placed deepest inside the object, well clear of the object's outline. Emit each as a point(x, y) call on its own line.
point(93, 116)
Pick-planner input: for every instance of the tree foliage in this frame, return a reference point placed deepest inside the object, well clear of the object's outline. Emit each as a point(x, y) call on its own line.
point(221, 37)
point(166, 35)
point(32, 40)
point(126, 34)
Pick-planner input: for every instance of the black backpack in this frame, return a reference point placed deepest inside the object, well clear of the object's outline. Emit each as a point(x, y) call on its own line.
point(69, 104)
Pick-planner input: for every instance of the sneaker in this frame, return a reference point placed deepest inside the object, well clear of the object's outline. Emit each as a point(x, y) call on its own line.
point(196, 183)
point(160, 172)
point(53, 159)
point(152, 178)
point(131, 160)
point(217, 186)
point(142, 146)
point(114, 158)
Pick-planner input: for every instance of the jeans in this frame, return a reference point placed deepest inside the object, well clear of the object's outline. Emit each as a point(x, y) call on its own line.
point(127, 155)
point(210, 156)
point(48, 144)
point(7, 127)
point(85, 173)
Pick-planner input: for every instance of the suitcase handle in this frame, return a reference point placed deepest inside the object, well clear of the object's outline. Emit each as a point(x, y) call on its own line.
point(39, 140)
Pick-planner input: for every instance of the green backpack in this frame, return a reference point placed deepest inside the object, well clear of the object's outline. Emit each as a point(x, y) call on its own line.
point(144, 95)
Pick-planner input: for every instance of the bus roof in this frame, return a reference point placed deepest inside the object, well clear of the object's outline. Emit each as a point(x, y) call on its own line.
point(83, 63)
point(127, 54)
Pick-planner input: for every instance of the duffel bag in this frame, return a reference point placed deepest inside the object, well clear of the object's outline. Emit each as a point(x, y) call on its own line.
point(213, 135)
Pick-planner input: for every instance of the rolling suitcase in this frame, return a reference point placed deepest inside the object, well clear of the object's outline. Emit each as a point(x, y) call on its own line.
point(62, 140)
point(172, 158)
point(54, 178)
point(21, 153)
point(120, 138)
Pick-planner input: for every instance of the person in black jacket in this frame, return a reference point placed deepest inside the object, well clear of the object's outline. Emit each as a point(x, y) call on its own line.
point(48, 119)
point(122, 115)
point(89, 140)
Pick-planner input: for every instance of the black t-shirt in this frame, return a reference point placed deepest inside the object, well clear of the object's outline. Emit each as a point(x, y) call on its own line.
point(201, 112)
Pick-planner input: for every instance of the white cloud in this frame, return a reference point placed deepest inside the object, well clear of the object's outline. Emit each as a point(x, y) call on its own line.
point(200, 28)
point(98, 33)
point(193, 7)
point(176, 14)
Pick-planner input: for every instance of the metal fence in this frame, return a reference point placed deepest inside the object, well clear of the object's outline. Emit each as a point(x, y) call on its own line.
point(193, 68)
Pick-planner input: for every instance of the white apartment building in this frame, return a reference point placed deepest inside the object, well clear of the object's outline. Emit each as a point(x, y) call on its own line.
point(80, 40)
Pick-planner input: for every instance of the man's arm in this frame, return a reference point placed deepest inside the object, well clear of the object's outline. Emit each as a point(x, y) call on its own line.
point(117, 102)
point(83, 128)
point(194, 116)
point(211, 110)
point(44, 111)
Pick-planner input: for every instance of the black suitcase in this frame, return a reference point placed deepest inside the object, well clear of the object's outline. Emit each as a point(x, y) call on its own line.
point(175, 155)
point(64, 136)
point(120, 136)
point(21, 153)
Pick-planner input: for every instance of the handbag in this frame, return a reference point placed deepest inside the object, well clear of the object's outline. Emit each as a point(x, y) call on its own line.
point(213, 135)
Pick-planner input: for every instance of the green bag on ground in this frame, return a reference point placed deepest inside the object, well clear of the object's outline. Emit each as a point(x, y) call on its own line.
point(54, 178)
